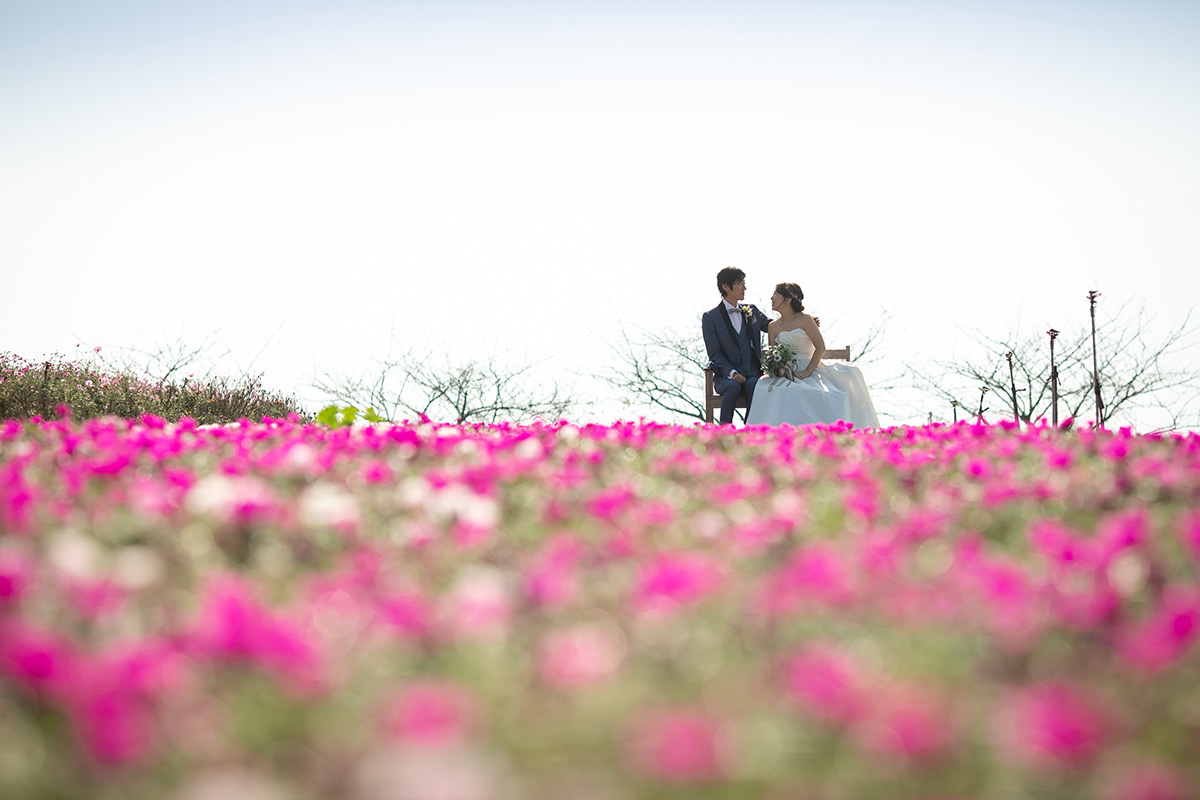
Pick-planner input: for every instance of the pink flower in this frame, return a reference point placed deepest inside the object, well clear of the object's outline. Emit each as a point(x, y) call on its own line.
point(676, 579)
point(232, 498)
point(580, 656)
point(656, 513)
point(1191, 533)
point(1161, 640)
point(817, 573)
point(1146, 780)
point(16, 573)
point(978, 468)
point(1052, 725)
point(407, 611)
point(679, 746)
point(433, 713)
point(551, 580)
point(42, 661)
point(607, 505)
point(377, 472)
point(1061, 545)
point(112, 704)
point(233, 626)
point(1123, 530)
point(826, 684)
point(909, 723)
point(479, 605)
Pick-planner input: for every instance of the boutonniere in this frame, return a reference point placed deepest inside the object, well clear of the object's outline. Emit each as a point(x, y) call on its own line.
point(747, 312)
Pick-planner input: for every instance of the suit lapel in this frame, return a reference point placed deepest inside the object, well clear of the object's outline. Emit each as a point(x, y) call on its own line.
point(733, 334)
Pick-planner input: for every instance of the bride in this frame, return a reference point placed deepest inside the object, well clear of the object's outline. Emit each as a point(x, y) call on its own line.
point(819, 392)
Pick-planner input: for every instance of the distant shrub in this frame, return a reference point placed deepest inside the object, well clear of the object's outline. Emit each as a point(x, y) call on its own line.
point(57, 386)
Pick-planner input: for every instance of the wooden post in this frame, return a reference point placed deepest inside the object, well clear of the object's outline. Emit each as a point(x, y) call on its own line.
point(1053, 334)
point(1092, 295)
point(1012, 382)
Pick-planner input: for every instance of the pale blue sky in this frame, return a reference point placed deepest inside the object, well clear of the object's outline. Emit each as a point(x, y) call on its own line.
point(316, 179)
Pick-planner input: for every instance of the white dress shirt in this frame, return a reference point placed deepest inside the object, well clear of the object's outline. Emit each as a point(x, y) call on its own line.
point(737, 321)
point(737, 315)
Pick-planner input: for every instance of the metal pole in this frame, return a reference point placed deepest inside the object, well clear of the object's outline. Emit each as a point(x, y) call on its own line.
point(1012, 382)
point(1092, 295)
point(1053, 334)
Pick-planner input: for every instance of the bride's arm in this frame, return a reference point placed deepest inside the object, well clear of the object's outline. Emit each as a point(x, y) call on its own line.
point(771, 333)
point(818, 342)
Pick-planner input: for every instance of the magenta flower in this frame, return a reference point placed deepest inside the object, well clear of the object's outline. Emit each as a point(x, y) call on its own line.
point(551, 580)
point(478, 606)
point(580, 656)
point(1060, 545)
point(378, 472)
point(678, 746)
point(607, 505)
point(1052, 725)
point(42, 661)
point(673, 579)
point(909, 723)
point(232, 498)
point(112, 703)
point(827, 684)
point(431, 712)
point(817, 573)
point(17, 570)
point(1146, 780)
point(1160, 641)
point(1191, 534)
point(234, 627)
point(408, 612)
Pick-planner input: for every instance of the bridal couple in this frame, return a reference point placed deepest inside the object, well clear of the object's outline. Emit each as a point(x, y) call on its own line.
point(814, 392)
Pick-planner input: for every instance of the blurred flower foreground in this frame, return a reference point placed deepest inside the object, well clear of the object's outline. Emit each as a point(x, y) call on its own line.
point(279, 610)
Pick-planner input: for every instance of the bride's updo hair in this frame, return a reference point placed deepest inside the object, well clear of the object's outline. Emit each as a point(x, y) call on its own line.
point(792, 292)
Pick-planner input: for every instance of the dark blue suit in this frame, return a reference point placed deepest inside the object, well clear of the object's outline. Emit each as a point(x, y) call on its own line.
point(729, 351)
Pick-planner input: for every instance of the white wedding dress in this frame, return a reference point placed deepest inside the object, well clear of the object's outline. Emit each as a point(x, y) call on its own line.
point(833, 392)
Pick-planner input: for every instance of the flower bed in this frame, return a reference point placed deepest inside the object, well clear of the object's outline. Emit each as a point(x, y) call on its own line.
point(284, 610)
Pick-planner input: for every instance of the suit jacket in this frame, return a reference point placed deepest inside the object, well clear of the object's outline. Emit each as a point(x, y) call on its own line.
point(721, 340)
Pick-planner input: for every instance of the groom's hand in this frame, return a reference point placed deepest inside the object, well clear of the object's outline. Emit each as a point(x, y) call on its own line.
point(739, 377)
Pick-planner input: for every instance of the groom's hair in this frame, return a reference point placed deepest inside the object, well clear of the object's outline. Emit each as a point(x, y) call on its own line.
point(728, 277)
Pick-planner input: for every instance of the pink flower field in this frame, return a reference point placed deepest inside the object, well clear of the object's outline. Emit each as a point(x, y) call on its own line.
point(276, 610)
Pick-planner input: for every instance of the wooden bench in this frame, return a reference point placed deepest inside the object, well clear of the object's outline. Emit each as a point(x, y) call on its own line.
point(712, 400)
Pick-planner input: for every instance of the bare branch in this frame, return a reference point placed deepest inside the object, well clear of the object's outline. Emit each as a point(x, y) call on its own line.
point(473, 391)
point(664, 370)
point(1135, 365)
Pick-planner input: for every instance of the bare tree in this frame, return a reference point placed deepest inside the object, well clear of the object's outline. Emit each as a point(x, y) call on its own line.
point(167, 360)
point(665, 369)
point(1136, 371)
point(430, 387)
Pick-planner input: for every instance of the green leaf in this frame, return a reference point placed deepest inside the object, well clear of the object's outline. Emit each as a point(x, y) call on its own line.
point(328, 416)
point(371, 416)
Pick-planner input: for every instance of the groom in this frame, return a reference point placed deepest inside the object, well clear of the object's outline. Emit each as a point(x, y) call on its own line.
point(733, 338)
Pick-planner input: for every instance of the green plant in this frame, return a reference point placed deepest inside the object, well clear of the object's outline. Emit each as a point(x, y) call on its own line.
point(334, 417)
point(82, 389)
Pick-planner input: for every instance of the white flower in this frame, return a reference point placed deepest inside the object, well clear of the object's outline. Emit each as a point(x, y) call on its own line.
point(324, 505)
point(75, 554)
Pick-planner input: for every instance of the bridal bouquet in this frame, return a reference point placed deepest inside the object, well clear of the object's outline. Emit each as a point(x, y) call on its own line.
point(777, 361)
